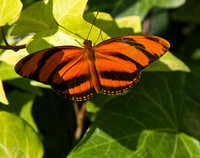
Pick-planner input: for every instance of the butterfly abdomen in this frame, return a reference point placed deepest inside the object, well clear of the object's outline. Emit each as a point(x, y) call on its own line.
point(89, 54)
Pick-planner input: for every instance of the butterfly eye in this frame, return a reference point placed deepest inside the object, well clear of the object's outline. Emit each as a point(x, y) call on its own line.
point(88, 42)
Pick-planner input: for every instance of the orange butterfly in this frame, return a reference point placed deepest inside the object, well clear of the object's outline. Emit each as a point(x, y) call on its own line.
point(112, 66)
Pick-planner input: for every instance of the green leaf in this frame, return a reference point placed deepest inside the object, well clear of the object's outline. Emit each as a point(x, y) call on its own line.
point(21, 107)
point(161, 15)
point(153, 143)
point(191, 122)
point(17, 138)
point(34, 19)
point(94, 104)
point(25, 84)
point(168, 62)
point(7, 72)
point(8, 10)
point(3, 98)
point(49, 34)
point(146, 122)
point(120, 27)
point(142, 7)
point(129, 22)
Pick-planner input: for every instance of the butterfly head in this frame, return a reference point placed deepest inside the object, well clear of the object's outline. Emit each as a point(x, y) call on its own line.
point(87, 43)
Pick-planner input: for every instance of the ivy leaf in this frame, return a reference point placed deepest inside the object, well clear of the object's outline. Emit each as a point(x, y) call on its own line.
point(17, 138)
point(42, 18)
point(21, 107)
point(146, 122)
point(120, 27)
point(7, 72)
point(3, 98)
point(34, 19)
point(191, 122)
point(8, 10)
point(142, 7)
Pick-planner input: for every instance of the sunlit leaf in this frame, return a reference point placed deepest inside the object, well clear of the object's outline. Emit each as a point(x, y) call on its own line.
point(8, 10)
point(17, 138)
point(3, 98)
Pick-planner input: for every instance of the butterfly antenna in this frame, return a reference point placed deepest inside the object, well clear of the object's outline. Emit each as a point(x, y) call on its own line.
point(104, 38)
point(92, 24)
point(98, 37)
point(71, 31)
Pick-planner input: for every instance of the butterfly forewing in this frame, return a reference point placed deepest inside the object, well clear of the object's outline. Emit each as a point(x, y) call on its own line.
point(64, 68)
point(120, 60)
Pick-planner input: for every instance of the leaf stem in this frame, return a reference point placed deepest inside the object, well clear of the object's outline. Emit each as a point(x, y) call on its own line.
point(13, 47)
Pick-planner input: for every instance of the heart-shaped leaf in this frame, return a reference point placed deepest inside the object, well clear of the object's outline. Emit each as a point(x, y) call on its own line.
point(17, 138)
point(146, 122)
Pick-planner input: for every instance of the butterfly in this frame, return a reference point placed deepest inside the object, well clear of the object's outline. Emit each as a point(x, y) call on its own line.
point(112, 66)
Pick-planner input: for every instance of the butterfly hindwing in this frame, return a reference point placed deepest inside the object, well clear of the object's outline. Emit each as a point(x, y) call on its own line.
point(64, 68)
point(75, 83)
point(119, 61)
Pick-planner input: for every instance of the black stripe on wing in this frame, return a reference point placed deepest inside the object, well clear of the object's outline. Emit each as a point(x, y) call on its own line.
point(157, 40)
point(122, 77)
point(150, 56)
point(126, 58)
point(141, 47)
point(72, 82)
point(56, 70)
point(130, 42)
point(47, 55)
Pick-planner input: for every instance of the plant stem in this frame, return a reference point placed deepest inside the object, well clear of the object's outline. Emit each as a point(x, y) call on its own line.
point(147, 22)
point(13, 47)
point(4, 37)
point(80, 114)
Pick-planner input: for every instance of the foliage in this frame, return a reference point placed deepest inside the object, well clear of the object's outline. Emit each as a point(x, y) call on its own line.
point(158, 117)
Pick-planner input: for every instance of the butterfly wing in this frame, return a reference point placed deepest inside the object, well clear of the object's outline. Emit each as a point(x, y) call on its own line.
point(64, 68)
point(119, 61)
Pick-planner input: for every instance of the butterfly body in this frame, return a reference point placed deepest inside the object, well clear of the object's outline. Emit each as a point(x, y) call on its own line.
point(89, 54)
point(112, 66)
